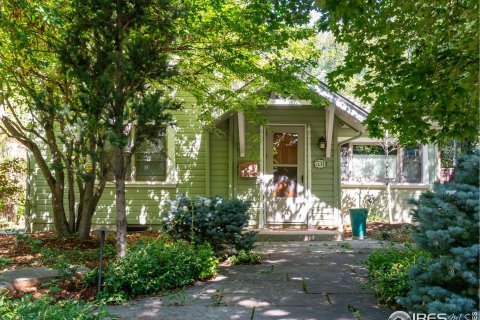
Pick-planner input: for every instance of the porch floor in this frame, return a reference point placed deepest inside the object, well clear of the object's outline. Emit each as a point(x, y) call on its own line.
point(278, 235)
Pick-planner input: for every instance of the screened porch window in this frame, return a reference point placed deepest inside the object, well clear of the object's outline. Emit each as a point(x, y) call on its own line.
point(365, 163)
point(411, 168)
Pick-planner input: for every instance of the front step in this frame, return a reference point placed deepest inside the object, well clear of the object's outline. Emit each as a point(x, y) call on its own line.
point(266, 235)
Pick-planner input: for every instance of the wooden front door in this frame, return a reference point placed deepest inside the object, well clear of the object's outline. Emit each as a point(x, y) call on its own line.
point(285, 175)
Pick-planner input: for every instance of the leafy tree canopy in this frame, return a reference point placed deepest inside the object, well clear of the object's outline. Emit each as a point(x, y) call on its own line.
point(124, 55)
point(40, 108)
point(232, 55)
point(420, 64)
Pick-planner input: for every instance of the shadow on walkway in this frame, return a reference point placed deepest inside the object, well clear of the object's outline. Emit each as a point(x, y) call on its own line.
point(297, 281)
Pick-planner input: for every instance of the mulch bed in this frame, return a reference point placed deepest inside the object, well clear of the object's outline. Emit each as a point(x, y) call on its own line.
point(380, 230)
point(21, 256)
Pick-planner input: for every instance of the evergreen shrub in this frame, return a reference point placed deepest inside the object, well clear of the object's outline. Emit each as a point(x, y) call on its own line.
point(215, 221)
point(448, 228)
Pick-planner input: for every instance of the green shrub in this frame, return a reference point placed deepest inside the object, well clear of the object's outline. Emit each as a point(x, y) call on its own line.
point(46, 308)
point(155, 266)
point(245, 257)
point(215, 221)
point(388, 271)
point(12, 189)
point(448, 228)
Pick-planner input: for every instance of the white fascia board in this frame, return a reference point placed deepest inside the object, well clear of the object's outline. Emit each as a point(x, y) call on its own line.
point(330, 116)
point(288, 102)
point(241, 134)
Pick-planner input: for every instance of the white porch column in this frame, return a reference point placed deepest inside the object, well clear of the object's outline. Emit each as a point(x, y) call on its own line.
point(425, 165)
point(241, 134)
point(330, 115)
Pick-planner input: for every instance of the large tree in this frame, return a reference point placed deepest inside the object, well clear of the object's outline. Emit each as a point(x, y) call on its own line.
point(41, 109)
point(118, 52)
point(419, 61)
point(129, 55)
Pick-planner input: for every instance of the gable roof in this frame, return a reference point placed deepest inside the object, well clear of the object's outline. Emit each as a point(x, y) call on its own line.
point(346, 110)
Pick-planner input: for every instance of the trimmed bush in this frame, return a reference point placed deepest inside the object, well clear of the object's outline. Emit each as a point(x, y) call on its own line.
point(388, 271)
point(214, 221)
point(448, 228)
point(46, 308)
point(156, 266)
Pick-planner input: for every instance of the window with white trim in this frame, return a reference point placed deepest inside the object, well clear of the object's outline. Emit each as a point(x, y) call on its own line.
point(153, 160)
point(364, 163)
point(149, 163)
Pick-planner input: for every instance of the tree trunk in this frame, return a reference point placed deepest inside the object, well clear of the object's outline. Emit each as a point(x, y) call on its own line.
point(71, 197)
point(386, 150)
point(61, 225)
point(389, 203)
point(55, 183)
point(86, 215)
point(121, 220)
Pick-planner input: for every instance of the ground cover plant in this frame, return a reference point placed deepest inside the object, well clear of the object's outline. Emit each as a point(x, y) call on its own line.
point(46, 308)
point(215, 221)
point(245, 257)
point(65, 255)
point(388, 269)
point(153, 265)
point(157, 266)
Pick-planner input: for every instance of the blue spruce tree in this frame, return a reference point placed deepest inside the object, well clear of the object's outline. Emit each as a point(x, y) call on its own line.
point(448, 228)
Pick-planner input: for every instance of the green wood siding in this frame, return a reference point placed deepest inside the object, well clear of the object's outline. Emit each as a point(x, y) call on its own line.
point(206, 163)
point(146, 203)
point(219, 148)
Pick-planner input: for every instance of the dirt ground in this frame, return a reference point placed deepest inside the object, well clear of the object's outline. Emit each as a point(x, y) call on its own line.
point(19, 254)
point(398, 232)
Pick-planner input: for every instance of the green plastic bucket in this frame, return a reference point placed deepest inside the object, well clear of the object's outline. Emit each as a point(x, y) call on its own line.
point(358, 219)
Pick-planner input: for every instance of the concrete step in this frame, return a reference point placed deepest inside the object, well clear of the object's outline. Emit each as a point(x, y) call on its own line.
point(265, 235)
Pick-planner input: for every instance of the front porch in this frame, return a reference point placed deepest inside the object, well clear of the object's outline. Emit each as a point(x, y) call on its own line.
point(283, 235)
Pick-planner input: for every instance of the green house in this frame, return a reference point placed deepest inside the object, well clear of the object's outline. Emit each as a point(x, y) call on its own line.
point(304, 168)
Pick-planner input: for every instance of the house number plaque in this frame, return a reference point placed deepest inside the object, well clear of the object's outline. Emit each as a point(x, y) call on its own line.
point(248, 170)
point(320, 163)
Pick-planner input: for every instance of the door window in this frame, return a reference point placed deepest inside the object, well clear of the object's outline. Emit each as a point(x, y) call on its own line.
point(285, 164)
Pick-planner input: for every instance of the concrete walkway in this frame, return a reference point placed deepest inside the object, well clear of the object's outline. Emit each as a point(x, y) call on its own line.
point(297, 281)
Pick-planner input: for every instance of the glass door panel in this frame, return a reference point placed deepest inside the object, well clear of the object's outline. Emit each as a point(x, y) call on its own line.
point(284, 159)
